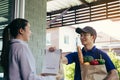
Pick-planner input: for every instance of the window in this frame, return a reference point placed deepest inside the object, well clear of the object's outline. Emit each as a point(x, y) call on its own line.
point(6, 15)
point(48, 39)
point(66, 39)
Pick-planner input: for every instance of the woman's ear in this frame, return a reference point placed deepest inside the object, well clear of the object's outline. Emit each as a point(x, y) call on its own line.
point(21, 31)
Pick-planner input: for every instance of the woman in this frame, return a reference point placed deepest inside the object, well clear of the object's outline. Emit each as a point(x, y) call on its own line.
point(17, 59)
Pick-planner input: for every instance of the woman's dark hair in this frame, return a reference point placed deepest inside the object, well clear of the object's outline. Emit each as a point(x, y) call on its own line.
point(16, 25)
point(12, 30)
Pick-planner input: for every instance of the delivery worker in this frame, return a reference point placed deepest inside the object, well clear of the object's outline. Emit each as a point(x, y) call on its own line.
point(88, 36)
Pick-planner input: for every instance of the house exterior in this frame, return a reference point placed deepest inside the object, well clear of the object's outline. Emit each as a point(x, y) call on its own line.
point(65, 38)
point(62, 38)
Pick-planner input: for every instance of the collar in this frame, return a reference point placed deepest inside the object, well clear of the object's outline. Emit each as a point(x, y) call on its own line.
point(18, 41)
point(92, 50)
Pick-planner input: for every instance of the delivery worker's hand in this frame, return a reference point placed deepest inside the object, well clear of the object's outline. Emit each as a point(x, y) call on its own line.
point(112, 75)
point(63, 58)
point(52, 49)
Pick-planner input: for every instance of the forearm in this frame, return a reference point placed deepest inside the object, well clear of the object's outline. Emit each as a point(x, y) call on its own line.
point(112, 75)
point(64, 60)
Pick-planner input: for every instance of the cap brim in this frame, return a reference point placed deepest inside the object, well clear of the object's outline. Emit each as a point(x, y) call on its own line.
point(79, 30)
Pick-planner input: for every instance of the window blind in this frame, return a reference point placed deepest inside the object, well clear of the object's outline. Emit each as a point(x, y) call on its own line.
point(6, 15)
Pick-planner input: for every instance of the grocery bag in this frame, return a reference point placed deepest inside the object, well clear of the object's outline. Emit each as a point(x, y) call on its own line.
point(93, 72)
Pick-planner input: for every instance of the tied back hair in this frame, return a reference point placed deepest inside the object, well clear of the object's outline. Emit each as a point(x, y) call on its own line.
point(5, 49)
point(16, 25)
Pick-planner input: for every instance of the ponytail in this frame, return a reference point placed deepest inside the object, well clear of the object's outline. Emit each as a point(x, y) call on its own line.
point(5, 49)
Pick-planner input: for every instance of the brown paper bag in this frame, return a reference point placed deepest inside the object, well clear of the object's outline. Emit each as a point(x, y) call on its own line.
point(93, 72)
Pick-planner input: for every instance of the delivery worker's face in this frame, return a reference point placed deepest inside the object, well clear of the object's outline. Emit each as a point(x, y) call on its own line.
point(86, 38)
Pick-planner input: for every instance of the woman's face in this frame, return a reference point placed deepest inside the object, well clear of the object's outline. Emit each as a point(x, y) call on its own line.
point(26, 32)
